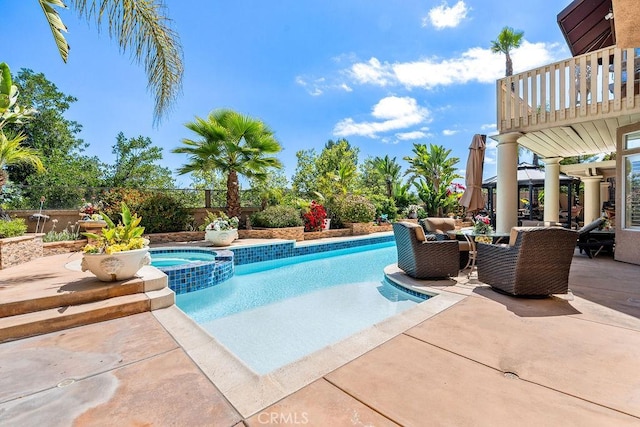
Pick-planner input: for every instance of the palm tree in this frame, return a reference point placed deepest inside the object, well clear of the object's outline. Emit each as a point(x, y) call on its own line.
point(508, 39)
point(138, 25)
point(12, 153)
point(389, 169)
point(432, 171)
point(233, 144)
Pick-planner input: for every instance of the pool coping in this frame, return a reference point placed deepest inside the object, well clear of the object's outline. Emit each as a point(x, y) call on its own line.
point(250, 392)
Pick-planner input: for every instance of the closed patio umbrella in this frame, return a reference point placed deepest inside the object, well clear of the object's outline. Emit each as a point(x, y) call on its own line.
point(472, 198)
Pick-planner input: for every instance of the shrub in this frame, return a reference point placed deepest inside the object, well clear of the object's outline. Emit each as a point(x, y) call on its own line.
point(71, 232)
point(314, 218)
point(385, 206)
point(353, 208)
point(15, 227)
point(162, 213)
point(277, 217)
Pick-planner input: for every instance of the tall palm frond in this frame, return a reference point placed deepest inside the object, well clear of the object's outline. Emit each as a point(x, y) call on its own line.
point(139, 25)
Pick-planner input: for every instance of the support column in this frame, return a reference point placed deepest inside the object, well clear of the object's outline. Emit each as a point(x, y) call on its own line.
point(552, 189)
point(592, 205)
point(507, 185)
point(604, 192)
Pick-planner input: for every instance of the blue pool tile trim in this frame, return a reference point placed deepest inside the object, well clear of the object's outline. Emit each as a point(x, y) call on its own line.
point(197, 275)
point(204, 274)
point(411, 292)
point(251, 254)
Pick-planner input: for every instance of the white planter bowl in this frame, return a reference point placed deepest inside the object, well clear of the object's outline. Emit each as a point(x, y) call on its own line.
point(116, 266)
point(221, 237)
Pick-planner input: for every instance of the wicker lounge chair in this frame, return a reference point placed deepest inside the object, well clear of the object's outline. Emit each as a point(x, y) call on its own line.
point(536, 264)
point(422, 259)
point(591, 244)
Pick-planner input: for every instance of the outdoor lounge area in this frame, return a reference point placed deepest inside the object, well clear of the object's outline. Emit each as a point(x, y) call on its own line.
point(569, 360)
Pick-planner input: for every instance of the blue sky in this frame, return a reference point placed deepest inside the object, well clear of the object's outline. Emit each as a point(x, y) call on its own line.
point(382, 74)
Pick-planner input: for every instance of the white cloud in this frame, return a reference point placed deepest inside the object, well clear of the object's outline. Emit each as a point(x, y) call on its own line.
point(474, 65)
point(317, 87)
point(444, 16)
point(489, 126)
point(372, 72)
point(449, 132)
point(392, 112)
point(412, 136)
point(489, 160)
point(491, 144)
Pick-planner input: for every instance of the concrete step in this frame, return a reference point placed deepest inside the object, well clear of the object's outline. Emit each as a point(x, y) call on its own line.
point(55, 319)
point(52, 293)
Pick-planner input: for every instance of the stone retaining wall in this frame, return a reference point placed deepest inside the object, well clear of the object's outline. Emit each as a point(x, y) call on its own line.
point(286, 233)
point(63, 247)
point(18, 250)
point(362, 228)
point(178, 236)
point(338, 232)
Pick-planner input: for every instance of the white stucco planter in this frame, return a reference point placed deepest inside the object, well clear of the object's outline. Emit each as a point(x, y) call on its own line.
point(116, 266)
point(221, 237)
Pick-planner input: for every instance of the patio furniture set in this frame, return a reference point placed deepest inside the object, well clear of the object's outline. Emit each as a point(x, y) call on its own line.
point(535, 262)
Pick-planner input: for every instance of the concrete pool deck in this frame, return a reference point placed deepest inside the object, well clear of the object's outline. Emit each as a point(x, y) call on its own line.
point(485, 359)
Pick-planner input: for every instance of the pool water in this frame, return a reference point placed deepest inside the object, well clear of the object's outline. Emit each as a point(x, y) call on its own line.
point(179, 258)
point(273, 313)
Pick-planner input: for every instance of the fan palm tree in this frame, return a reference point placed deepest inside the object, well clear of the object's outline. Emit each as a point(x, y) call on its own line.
point(139, 25)
point(233, 144)
point(389, 169)
point(12, 153)
point(507, 40)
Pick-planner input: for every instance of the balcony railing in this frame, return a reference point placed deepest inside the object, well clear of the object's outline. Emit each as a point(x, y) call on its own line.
point(599, 84)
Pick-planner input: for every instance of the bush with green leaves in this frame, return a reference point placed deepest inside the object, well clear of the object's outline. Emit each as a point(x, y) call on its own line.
point(353, 208)
point(277, 217)
point(13, 228)
point(163, 213)
point(384, 206)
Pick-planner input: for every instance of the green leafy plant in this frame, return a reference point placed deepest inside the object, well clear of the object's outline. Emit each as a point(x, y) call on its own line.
point(125, 236)
point(219, 221)
point(71, 232)
point(13, 228)
point(277, 217)
point(163, 213)
point(354, 208)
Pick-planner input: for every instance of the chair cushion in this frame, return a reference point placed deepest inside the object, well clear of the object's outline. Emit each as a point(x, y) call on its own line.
point(420, 234)
point(439, 225)
point(514, 234)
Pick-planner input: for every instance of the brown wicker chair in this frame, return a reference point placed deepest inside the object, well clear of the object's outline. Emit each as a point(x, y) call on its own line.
point(422, 259)
point(537, 264)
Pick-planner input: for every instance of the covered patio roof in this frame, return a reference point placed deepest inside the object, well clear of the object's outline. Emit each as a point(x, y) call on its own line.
point(589, 25)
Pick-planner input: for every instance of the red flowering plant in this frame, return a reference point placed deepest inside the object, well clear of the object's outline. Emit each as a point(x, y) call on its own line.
point(314, 217)
point(482, 225)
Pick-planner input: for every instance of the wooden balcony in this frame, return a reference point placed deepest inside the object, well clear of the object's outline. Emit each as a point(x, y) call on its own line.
point(572, 107)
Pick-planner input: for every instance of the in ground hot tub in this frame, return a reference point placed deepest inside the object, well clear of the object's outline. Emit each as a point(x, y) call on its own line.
point(191, 269)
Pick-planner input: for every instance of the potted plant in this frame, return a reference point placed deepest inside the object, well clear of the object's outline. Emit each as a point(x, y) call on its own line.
point(119, 251)
point(220, 229)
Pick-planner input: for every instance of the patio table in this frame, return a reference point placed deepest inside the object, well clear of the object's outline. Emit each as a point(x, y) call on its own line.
point(469, 235)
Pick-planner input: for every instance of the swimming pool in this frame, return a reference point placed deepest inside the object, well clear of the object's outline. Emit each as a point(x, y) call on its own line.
point(275, 312)
point(172, 259)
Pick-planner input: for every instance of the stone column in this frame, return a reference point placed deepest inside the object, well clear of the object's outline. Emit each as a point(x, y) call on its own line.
point(592, 205)
point(552, 189)
point(507, 185)
point(604, 192)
